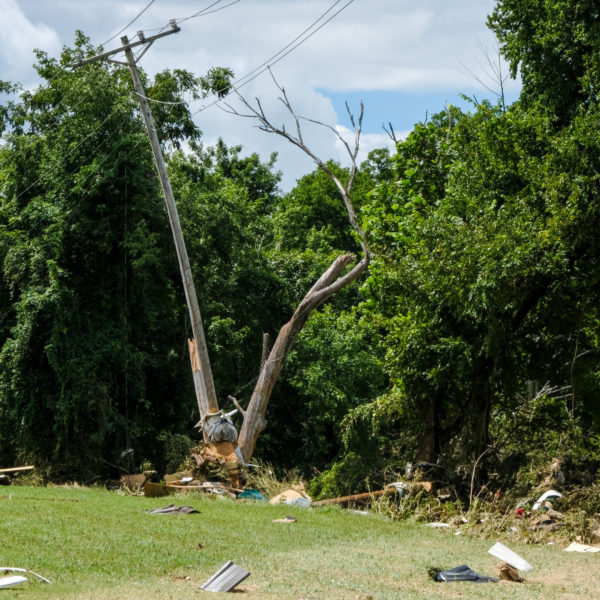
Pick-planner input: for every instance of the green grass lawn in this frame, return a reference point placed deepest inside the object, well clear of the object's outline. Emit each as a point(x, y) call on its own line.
point(92, 543)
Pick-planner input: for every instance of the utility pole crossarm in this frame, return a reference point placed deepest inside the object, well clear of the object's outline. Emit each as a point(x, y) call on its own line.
point(80, 62)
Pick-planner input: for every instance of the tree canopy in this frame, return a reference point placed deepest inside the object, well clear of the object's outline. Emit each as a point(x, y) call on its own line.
point(481, 289)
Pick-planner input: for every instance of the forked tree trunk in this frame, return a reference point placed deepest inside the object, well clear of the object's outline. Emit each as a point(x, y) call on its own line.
point(327, 285)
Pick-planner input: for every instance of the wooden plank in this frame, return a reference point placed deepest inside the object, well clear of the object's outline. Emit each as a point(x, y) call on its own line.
point(17, 469)
point(201, 488)
point(354, 498)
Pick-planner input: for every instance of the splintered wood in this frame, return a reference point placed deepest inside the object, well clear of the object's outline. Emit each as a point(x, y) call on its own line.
point(216, 461)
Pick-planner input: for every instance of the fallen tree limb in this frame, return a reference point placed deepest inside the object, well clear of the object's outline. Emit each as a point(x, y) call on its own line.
point(345, 500)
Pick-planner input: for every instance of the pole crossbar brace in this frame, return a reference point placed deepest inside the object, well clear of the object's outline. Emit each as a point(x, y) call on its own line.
point(80, 62)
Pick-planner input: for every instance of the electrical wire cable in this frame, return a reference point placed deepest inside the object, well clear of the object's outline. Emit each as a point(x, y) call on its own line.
point(200, 13)
point(285, 51)
point(274, 59)
point(71, 151)
point(130, 22)
point(305, 35)
point(210, 12)
point(204, 11)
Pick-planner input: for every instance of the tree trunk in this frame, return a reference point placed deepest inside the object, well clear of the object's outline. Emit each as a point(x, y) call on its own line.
point(327, 285)
point(428, 444)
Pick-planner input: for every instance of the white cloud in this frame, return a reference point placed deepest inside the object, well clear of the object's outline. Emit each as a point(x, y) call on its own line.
point(18, 38)
point(392, 45)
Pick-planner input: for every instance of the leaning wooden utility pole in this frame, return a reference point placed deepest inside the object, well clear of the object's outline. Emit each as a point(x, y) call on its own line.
point(203, 380)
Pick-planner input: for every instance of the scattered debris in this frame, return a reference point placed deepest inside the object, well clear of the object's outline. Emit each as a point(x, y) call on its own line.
point(134, 483)
point(172, 509)
point(399, 486)
point(550, 496)
point(556, 476)
point(285, 520)
point(509, 573)
point(355, 498)
point(429, 486)
point(549, 520)
point(437, 525)
point(462, 573)
point(295, 497)
point(213, 487)
point(6, 480)
point(226, 578)
point(251, 494)
point(20, 570)
point(218, 460)
point(6, 582)
point(577, 547)
point(509, 557)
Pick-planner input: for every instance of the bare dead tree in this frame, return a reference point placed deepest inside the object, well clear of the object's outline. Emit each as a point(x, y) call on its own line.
point(336, 277)
point(391, 133)
point(494, 76)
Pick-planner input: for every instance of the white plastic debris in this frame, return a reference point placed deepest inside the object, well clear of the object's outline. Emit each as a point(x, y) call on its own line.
point(549, 495)
point(399, 486)
point(509, 557)
point(6, 582)
point(575, 547)
point(3, 569)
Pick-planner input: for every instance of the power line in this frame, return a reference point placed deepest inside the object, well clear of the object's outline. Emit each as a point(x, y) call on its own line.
point(201, 13)
point(290, 47)
point(130, 22)
point(242, 81)
point(71, 151)
point(274, 59)
point(205, 11)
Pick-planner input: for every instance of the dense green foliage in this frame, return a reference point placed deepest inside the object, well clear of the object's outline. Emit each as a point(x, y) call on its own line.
point(94, 357)
point(556, 46)
point(483, 285)
point(87, 273)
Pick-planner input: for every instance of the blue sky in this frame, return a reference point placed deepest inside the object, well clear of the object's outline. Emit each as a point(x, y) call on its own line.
point(403, 108)
point(402, 58)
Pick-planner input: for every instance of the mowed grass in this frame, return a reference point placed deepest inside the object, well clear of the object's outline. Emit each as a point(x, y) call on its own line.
point(94, 543)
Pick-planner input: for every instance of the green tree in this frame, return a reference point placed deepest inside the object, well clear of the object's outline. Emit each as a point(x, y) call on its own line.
point(555, 44)
point(484, 270)
point(91, 352)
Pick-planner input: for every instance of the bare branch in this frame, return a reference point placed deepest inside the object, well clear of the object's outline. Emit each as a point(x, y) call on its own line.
point(492, 69)
point(257, 112)
point(331, 281)
point(237, 405)
point(391, 133)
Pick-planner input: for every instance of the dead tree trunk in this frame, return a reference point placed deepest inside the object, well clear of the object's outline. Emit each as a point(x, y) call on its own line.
point(330, 282)
point(327, 285)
